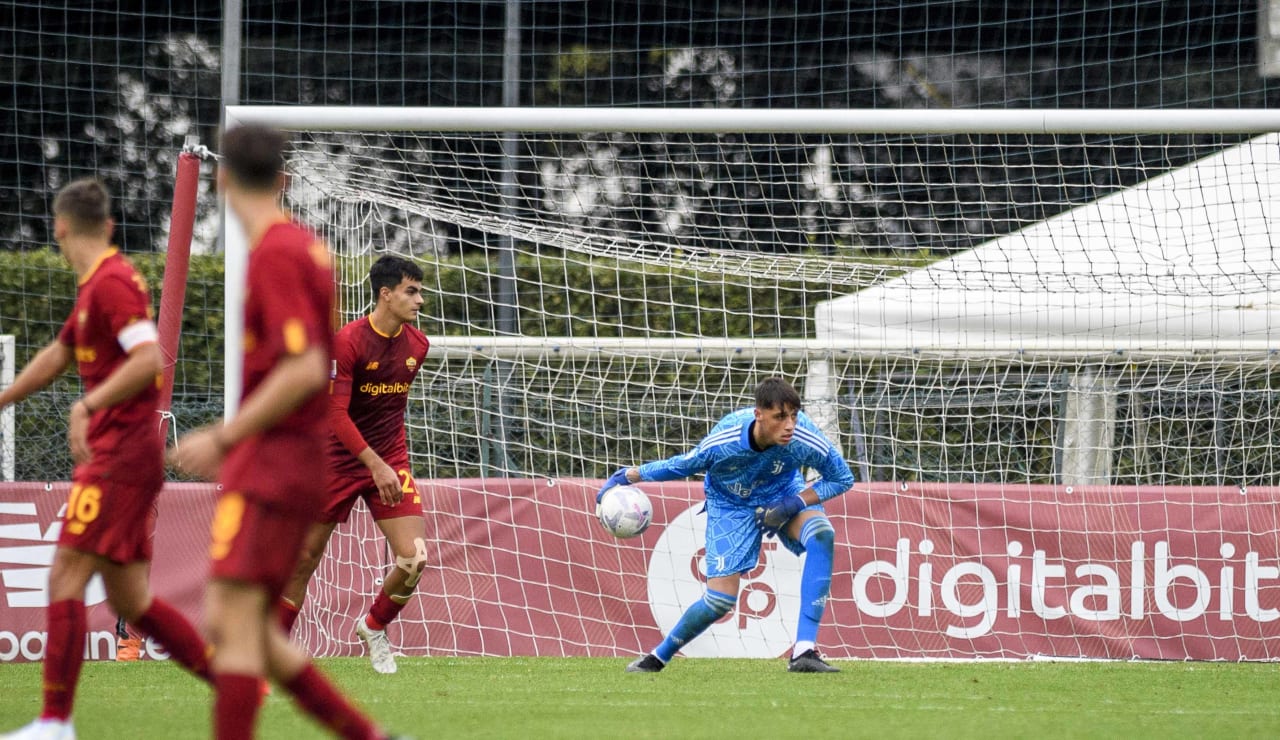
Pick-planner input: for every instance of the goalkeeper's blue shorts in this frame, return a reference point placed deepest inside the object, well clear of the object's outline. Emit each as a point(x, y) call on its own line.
point(733, 538)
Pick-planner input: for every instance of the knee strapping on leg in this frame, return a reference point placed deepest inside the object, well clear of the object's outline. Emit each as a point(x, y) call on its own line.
point(415, 564)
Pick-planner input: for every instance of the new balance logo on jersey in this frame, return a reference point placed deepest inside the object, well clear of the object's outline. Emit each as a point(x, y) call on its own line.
point(372, 365)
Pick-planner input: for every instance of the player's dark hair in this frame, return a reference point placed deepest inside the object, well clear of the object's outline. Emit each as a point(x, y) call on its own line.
point(388, 270)
point(774, 393)
point(85, 203)
point(254, 155)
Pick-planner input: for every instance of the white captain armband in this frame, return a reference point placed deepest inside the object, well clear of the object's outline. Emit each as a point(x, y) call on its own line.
point(139, 332)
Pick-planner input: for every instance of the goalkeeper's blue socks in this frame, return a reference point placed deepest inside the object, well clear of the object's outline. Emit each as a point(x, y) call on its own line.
point(694, 621)
point(819, 541)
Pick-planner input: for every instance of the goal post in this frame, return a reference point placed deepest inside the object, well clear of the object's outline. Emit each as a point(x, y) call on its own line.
point(1038, 336)
point(8, 446)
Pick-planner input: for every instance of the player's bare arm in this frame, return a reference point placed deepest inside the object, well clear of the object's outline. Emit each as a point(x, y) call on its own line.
point(384, 477)
point(137, 372)
point(293, 380)
point(48, 364)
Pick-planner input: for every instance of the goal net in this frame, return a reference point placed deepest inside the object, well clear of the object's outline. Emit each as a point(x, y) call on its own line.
point(1044, 342)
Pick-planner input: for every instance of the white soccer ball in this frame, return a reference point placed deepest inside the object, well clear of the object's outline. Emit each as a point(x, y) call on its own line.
point(624, 511)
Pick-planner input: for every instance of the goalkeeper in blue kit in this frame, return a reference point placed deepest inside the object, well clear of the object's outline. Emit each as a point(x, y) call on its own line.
point(754, 487)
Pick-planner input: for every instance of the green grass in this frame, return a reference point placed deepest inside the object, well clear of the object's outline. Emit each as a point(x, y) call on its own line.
point(529, 698)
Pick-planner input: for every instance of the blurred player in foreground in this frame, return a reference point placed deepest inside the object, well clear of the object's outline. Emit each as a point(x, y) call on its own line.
point(266, 455)
point(115, 442)
point(375, 361)
point(754, 487)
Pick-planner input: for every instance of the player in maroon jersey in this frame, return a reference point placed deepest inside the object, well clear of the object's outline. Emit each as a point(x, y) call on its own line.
point(265, 455)
point(115, 443)
point(376, 359)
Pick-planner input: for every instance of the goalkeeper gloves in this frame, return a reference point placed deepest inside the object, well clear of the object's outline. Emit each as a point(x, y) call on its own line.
point(775, 516)
point(619, 478)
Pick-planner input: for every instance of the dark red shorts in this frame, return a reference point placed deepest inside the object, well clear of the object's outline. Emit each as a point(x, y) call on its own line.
point(343, 492)
point(110, 518)
point(255, 542)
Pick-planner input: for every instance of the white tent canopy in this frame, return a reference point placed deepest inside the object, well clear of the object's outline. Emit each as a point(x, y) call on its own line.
point(1182, 261)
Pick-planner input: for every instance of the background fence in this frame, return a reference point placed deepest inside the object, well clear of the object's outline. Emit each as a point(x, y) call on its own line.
point(114, 91)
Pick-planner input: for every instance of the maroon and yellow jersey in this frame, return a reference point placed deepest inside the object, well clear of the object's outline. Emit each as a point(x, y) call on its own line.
point(288, 310)
point(369, 391)
point(112, 315)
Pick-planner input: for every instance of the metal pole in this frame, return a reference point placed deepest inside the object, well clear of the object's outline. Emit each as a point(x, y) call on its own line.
point(507, 321)
point(8, 445)
point(231, 50)
point(235, 253)
point(776, 120)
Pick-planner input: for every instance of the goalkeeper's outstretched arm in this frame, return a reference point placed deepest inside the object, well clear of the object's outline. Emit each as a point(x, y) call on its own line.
point(675, 468)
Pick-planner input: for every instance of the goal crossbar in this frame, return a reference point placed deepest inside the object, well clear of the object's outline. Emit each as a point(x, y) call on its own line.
point(714, 120)
point(509, 347)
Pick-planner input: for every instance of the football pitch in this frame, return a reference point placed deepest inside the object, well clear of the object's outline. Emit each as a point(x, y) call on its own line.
point(592, 697)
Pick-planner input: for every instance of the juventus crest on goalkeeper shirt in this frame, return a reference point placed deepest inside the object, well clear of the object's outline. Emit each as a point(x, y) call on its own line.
point(371, 376)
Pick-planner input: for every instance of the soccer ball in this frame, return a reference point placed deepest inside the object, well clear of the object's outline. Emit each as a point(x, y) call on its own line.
point(624, 511)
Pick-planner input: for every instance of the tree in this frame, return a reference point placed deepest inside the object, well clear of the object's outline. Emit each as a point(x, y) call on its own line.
point(124, 122)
